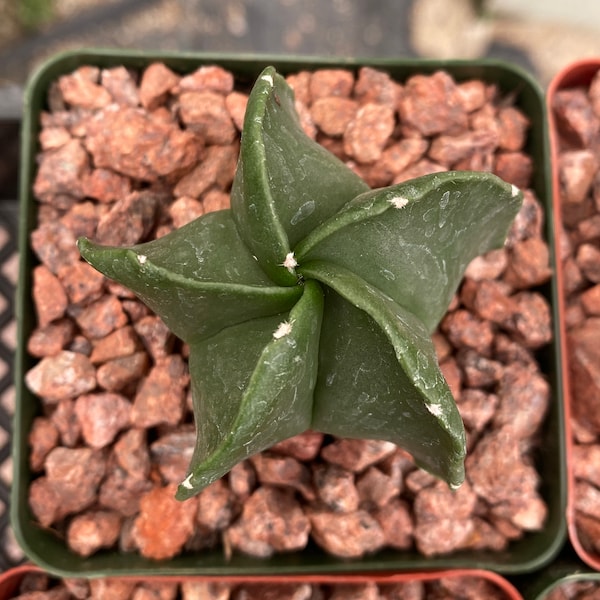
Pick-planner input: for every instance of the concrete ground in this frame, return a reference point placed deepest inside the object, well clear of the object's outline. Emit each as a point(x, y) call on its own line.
point(543, 36)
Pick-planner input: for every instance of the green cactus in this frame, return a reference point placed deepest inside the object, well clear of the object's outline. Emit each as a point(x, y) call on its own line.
point(311, 302)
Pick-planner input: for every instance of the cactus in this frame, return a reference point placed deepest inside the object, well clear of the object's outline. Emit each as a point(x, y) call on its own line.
point(311, 302)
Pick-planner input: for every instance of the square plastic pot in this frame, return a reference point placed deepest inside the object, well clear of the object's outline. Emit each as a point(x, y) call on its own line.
point(577, 74)
point(11, 580)
point(44, 548)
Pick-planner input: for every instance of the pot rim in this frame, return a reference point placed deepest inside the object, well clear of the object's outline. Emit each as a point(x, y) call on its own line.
point(538, 550)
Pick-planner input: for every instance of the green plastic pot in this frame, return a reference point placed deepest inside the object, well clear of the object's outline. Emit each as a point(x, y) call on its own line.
point(10, 580)
point(566, 569)
point(527, 554)
point(577, 74)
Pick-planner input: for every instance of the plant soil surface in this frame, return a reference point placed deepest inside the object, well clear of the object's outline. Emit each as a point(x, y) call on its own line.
point(126, 157)
point(577, 113)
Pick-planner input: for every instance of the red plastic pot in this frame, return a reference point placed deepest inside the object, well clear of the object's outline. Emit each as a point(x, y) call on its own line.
point(577, 74)
point(10, 580)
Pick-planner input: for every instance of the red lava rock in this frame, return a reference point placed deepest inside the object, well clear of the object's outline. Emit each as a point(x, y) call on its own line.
point(532, 325)
point(131, 453)
point(81, 88)
point(49, 296)
point(523, 399)
point(123, 492)
point(335, 488)
point(101, 317)
point(121, 85)
point(271, 520)
point(184, 210)
point(236, 103)
point(476, 408)
point(585, 374)
point(330, 82)
point(61, 172)
point(130, 219)
point(356, 455)
point(367, 134)
point(499, 473)
point(73, 476)
point(575, 116)
point(64, 375)
point(513, 129)
point(333, 115)
point(585, 463)
point(156, 84)
point(54, 245)
point(588, 260)
point(375, 488)
point(155, 335)
point(515, 168)
point(54, 137)
point(472, 94)
point(432, 104)
point(205, 114)
point(105, 185)
point(44, 501)
point(102, 416)
point(113, 589)
point(375, 86)
point(89, 532)
point(216, 169)
point(172, 453)
point(146, 148)
point(208, 77)
point(577, 169)
point(283, 471)
point(590, 300)
point(347, 535)
point(118, 373)
point(448, 150)
point(121, 342)
point(43, 437)
point(81, 219)
point(65, 420)
point(396, 522)
point(161, 395)
point(304, 446)
point(216, 506)
point(159, 506)
point(465, 330)
point(81, 282)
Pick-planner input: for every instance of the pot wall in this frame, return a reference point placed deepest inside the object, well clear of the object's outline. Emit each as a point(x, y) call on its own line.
point(577, 74)
point(10, 580)
point(45, 549)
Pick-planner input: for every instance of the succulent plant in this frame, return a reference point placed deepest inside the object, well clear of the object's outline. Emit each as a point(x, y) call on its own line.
point(310, 303)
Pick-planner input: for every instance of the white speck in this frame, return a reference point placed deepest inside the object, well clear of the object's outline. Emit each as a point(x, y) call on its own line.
point(398, 202)
point(455, 486)
point(285, 328)
point(290, 262)
point(268, 79)
point(187, 482)
point(434, 409)
point(142, 258)
point(514, 190)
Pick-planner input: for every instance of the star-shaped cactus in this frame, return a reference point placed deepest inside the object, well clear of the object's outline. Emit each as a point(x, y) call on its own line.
point(311, 302)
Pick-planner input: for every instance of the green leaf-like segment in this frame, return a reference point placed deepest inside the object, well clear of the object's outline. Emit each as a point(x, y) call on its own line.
point(338, 338)
point(420, 235)
point(200, 278)
point(253, 387)
point(286, 184)
point(379, 376)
